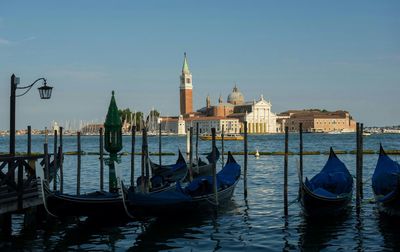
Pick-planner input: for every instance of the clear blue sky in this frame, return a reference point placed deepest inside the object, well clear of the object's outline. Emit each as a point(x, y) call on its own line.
point(299, 54)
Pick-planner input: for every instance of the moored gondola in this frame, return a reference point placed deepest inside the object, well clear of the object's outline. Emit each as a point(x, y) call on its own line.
point(174, 171)
point(330, 191)
point(197, 196)
point(386, 184)
point(170, 173)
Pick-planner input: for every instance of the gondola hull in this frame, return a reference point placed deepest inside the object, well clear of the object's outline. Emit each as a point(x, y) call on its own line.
point(143, 205)
point(196, 197)
point(386, 185)
point(389, 205)
point(96, 204)
point(316, 205)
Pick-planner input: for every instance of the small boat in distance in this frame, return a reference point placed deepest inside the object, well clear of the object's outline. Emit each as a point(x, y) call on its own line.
point(257, 154)
point(227, 137)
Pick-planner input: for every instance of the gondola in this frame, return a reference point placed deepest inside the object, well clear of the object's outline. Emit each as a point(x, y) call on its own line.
point(172, 172)
point(101, 203)
point(386, 184)
point(330, 191)
point(201, 168)
point(197, 196)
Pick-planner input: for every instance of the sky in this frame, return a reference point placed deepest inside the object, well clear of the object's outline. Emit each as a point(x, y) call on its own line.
point(334, 55)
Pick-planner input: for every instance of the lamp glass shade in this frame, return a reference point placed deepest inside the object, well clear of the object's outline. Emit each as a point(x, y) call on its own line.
point(45, 92)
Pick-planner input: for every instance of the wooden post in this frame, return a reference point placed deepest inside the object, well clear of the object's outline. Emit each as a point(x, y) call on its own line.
point(222, 145)
point(101, 149)
point(143, 150)
point(20, 185)
point(159, 143)
point(46, 161)
point(301, 152)
point(285, 183)
point(197, 144)
point(245, 160)
point(146, 148)
point(61, 161)
point(357, 164)
point(191, 154)
point(188, 144)
point(78, 173)
point(361, 160)
point(133, 156)
point(55, 161)
point(29, 147)
point(214, 167)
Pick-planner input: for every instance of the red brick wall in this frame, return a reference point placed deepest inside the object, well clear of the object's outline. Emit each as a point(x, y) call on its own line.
point(186, 101)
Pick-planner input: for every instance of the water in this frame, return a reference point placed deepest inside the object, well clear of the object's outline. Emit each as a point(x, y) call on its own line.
point(251, 224)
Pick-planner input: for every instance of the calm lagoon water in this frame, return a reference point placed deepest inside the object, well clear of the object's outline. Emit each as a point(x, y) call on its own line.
point(252, 224)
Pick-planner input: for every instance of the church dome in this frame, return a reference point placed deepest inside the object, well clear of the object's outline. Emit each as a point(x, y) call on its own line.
point(236, 97)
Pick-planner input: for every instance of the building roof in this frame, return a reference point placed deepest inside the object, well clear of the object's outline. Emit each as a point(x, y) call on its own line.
point(208, 118)
point(236, 97)
point(185, 67)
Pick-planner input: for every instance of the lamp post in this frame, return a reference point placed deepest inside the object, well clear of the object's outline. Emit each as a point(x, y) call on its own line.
point(112, 140)
point(44, 92)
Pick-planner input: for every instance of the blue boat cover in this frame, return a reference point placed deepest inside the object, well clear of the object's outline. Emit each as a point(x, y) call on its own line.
point(225, 178)
point(333, 180)
point(385, 178)
point(198, 187)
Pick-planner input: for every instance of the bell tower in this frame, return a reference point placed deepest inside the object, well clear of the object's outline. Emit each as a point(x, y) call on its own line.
point(185, 89)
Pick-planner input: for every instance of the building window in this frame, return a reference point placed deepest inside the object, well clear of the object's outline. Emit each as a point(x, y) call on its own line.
point(187, 80)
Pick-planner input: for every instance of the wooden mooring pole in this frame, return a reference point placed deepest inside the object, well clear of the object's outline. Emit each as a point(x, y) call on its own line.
point(133, 142)
point(61, 161)
point(301, 153)
point(78, 172)
point(159, 143)
point(191, 153)
point(197, 144)
point(285, 172)
point(101, 150)
point(29, 147)
point(361, 160)
point(46, 157)
point(359, 163)
point(55, 161)
point(245, 160)
point(222, 145)
point(214, 167)
point(142, 167)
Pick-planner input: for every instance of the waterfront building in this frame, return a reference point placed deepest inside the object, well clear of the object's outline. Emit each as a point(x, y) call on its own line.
point(173, 125)
point(318, 121)
point(230, 125)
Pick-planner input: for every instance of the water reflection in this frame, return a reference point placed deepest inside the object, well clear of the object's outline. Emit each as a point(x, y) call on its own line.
point(390, 231)
point(161, 233)
point(90, 231)
point(317, 233)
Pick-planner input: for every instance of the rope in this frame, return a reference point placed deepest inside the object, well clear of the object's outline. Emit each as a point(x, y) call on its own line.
point(121, 191)
point(212, 202)
point(44, 199)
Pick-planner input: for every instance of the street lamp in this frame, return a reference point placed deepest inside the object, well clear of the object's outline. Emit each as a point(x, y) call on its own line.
point(44, 92)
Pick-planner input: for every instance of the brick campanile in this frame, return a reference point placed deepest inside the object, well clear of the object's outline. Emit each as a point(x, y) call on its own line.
point(185, 89)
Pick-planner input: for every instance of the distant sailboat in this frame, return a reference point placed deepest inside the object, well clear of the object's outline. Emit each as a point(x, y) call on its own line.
point(257, 154)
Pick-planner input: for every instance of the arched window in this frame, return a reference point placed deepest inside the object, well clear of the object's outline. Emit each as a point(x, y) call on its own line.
point(187, 80)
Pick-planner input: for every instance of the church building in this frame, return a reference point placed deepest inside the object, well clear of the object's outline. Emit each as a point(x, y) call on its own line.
point(230, 115)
